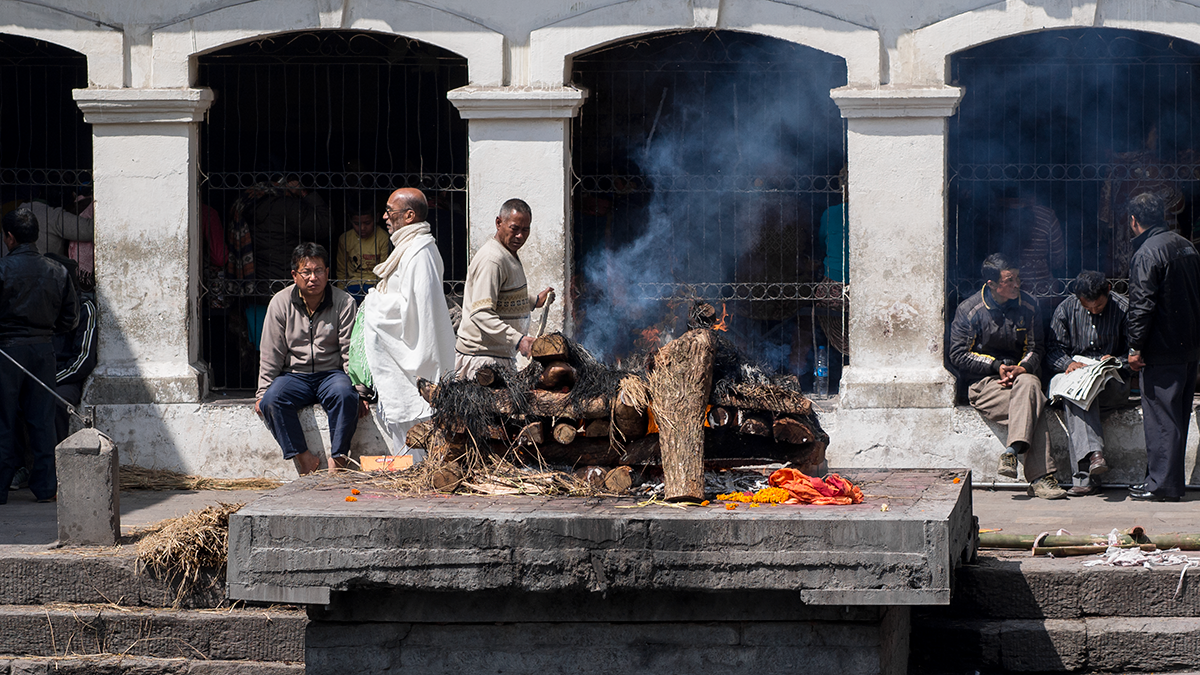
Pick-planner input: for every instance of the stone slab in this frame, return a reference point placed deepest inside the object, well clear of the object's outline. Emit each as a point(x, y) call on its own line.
point(305, 541)
point(635, 648)
point(256, 635)
point(1057, 645)
point(139, 665)
point(1011, 587)
point(82, 576)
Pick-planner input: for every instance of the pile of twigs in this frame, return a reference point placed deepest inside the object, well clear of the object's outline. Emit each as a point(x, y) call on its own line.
point(180, 549)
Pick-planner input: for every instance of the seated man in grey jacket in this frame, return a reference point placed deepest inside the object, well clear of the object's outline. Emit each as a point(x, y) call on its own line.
point(305, 349)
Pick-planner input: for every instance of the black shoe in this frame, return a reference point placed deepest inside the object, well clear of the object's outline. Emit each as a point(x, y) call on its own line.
point(1147, 496)
point(1138, 487)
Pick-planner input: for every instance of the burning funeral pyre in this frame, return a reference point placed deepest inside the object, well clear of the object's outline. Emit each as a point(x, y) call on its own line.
point(693, 401)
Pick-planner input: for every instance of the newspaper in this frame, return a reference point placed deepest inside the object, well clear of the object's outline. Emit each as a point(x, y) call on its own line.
point(1082, 385)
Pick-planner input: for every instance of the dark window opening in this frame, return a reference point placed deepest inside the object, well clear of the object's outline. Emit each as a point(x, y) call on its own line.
point(45, 146)
point(704, 162)
point(1055, 132)
point(308, 135)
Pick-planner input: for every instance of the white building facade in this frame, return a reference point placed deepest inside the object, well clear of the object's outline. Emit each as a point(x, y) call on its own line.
point(897, 406)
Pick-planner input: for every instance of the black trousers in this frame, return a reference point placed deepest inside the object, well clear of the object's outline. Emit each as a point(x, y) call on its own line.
point(25, 402)
point(1167, 391)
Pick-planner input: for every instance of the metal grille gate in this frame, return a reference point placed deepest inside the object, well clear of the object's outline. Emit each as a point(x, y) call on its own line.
point(308, 129)
point(45, 146)
point(703, 164)
point(1055, 132)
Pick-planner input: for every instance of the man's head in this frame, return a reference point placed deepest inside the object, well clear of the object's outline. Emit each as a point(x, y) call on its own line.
point(405, 207)
point(310, 269)
point(512, 225)
point(1146, 211)
point(362, 219)
point(20, 227)
point(1092, 289)
point(1002, 277)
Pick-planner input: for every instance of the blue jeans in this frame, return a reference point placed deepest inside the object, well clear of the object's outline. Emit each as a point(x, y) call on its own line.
point(290, 392)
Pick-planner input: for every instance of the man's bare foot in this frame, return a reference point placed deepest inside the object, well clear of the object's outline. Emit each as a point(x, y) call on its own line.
point(306, 463)
point(336, 463)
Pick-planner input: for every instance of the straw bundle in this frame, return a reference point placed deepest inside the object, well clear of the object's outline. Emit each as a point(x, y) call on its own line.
point(181, 548)
point(140, 478)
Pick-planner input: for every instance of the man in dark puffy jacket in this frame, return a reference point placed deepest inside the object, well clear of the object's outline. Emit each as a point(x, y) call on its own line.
point(1164, 342)
point(37, 300)
point(996, 346)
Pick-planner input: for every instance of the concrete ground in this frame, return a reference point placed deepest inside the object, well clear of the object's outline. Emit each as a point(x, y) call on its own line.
point(25, 522)
point(1015, 512)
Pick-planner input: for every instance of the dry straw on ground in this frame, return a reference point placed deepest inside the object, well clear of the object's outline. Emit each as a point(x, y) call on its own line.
point(180, 549)
point(139, 478)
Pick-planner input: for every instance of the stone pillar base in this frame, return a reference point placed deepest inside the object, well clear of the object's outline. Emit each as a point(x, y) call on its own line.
point(113, 388)
point(897, 388)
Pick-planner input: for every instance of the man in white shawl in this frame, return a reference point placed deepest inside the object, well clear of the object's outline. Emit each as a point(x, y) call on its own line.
point(408, 334)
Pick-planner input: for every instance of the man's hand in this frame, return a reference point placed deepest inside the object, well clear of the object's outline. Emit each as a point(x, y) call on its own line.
point(541, 298)
point(1075, 365)
point(525, 345)
point(256, 408)
point(364, 409)
point(1136, 362)
point(1008, 374)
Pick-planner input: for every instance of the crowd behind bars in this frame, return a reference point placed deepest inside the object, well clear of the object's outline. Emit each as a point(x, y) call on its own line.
point(999, 343)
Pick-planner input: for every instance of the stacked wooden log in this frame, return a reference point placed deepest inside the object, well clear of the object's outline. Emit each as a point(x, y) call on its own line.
point(690, 408)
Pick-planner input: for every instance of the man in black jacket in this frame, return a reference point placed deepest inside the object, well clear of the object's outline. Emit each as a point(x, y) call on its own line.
point(996, 346)
point(1164, 342)
point(37, 300)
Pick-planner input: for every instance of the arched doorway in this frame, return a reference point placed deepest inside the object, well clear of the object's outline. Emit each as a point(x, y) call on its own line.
point(45, 146)
point(308, 135)
point(1055, 132)
point(703, 164)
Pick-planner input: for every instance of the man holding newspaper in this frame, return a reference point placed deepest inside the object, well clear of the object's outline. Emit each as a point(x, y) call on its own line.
point(1088, 348)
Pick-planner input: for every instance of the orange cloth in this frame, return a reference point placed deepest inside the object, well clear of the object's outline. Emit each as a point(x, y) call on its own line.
point(812, 490)
point(652, 425)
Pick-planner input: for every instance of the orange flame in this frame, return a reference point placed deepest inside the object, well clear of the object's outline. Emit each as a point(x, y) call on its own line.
point(720, 324)
point(651, 337)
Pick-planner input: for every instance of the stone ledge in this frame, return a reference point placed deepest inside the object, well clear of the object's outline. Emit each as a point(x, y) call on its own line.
point(140, 665)
point(253, 635)
point(304, 539)
point(896, 102)
point(474, 102)
point(143, 106)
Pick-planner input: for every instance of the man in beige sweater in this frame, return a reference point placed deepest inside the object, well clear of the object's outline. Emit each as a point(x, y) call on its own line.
point(305, 349)
point(496, 302)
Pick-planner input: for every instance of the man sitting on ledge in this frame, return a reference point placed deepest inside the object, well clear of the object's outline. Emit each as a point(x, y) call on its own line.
point(1090, 323)
point(996, 344)
point(305, 349)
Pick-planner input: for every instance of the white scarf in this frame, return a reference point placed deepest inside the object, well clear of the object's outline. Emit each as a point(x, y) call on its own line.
point(401, 239)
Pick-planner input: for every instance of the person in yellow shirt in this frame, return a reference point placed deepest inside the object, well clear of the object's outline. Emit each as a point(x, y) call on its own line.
point(359, 250)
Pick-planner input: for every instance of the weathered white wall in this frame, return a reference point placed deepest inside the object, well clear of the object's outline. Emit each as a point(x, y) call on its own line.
point(897, 409)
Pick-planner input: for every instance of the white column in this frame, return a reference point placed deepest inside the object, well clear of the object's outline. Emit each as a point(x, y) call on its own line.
point(145, 149)
point(896, 147)
point(519, 147)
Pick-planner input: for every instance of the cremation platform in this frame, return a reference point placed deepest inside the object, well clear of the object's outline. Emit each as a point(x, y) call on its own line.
point(548, 585)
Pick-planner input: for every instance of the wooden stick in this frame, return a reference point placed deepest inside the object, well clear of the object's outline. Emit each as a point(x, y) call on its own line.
point(598, 428)
point(720, 417)
point(552, 347)
point(556, 375)
point(755, 423)
point(564, 433)
point(619, 479)
point(485, 376)
point(534, 432)
point(788, 430)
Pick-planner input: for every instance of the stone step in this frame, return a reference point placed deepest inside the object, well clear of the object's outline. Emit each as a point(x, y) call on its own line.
point(66, 630)
point(138, 665)
point(83, 576)
point(1055, 645)
point(1010, 587)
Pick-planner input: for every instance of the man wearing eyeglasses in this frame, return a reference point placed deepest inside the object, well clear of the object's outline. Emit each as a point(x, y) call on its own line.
point(996, 345)
point(304, 353)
